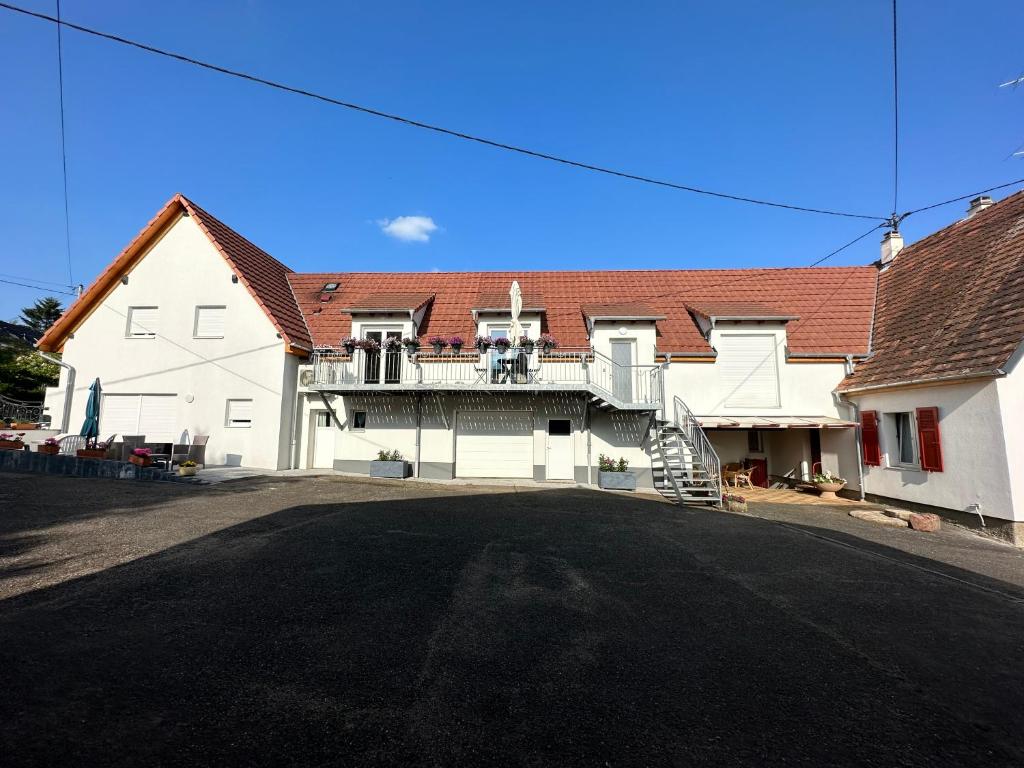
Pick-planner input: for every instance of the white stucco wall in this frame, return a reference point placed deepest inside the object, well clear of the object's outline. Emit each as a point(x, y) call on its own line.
point(183, 270)
point(975, 435)
point(1011, 406)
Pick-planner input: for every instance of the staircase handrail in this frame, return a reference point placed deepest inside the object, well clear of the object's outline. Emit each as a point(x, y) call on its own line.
point(688, 424)
point(653, 383)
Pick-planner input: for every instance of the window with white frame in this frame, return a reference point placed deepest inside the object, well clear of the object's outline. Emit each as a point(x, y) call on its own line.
point(239, 413)
point(142, 322)
point(901, 437)
point(209, 322)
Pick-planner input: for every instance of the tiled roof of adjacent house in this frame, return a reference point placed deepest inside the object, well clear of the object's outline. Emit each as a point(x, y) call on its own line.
point(499, 300)
point(834, 304)
point(379, 302)
point(621, 309)
point(951, 305)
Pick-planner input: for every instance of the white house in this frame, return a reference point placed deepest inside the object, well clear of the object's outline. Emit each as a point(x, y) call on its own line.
point(194, 330)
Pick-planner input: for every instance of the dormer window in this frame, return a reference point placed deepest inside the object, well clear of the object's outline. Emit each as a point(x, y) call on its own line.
point(330, 287)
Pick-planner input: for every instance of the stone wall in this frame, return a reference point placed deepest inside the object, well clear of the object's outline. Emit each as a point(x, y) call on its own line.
point(72, 466)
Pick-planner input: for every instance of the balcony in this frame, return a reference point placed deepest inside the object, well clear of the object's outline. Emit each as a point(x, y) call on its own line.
point(611, 385)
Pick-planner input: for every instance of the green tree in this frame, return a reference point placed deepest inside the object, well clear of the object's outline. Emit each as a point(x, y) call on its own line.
point(41, 315)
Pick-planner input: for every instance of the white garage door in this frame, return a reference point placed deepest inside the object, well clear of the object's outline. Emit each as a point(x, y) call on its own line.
point(494, 444)
point(154, 416)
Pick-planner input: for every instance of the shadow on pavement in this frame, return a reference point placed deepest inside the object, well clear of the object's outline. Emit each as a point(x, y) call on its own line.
point(550, 627)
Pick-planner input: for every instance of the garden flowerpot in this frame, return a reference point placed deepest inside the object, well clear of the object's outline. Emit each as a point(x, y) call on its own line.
point(438, 348)
point(617, 481)
point(828, 490)
point(91, 453)
point(481, 348)
point(11, 445)
point(397, 469)
point(187, 471)
point(350, 348)
point(23, 426)
point(501, 350)
point(140, 461)
point(528, 348)
point(457, 348)
point(52, 450)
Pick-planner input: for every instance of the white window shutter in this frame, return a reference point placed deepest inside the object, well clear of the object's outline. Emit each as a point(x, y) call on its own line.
point(143, 321)
point(239, 413)
point(210, 322)
point(158, 418)
point(749, 371)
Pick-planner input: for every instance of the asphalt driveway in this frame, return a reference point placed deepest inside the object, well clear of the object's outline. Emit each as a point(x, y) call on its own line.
point(328, 621)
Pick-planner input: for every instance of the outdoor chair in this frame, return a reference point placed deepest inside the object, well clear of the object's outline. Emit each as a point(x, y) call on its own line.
point(70, 444)
point(194, 451)
point(736, 474)
point(130, 443)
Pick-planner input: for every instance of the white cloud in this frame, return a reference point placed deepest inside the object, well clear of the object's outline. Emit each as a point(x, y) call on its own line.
point(411, 229)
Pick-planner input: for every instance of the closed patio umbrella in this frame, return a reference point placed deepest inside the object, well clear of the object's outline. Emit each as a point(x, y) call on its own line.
point(515, 330)
point(91, 426)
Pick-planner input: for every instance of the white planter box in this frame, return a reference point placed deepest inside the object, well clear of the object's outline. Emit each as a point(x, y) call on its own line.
point(399, 469)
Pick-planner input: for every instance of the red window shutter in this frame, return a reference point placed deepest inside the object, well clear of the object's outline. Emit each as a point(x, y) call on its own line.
point(928, 439)
point(869, 438)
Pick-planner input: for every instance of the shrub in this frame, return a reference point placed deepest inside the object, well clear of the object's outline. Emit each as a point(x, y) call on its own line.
point(828, 477)
point(143, 452)
point(394, 455)
point(482, 341)
point(456, 341)
point(438, 341)
point(608, 464)
point(547, 340)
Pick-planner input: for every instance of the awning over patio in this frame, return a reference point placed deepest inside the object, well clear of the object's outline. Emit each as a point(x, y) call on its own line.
point(774, 422)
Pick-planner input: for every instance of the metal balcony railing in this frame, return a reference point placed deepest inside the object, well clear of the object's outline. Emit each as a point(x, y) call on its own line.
point(516, 368)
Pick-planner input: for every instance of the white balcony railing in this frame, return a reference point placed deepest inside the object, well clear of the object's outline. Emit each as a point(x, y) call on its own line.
point(517, 368)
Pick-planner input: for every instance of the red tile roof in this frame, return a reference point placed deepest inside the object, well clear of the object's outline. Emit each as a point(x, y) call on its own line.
point(951, 305)
point(380, 302)
point(622, 309)
point(737, 309)
point(499, 300)
point(834, 303)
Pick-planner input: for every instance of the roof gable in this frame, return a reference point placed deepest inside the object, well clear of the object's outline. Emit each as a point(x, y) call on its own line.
point(264, 277)
point(950, 306)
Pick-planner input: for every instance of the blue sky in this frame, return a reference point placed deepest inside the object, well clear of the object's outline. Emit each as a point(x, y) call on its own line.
point(788, 101)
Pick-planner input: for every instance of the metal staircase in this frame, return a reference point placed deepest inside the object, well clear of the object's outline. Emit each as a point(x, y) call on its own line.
point(691, 470)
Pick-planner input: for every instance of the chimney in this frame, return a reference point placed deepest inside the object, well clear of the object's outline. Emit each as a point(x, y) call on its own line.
point(979, 204)
point(892, 244)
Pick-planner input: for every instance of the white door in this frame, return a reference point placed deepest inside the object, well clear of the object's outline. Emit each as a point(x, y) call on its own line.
point(494, 444)
point(153, 416)
point(323, 440)
point(622, 373)
point(561, 461)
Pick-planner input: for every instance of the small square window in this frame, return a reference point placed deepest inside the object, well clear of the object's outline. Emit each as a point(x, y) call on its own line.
point(209, 323)
point(142, 322)
point(359, 420)
point(755, 441)
point(239, 413)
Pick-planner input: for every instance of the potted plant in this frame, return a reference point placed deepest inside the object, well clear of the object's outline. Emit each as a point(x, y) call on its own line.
point(12, 442)
point(187, 468)
point(615, 475)
point(547, 342)
point(24, 425)
point(527, 344)
point(49, 446)
point(502, 344)
point(482, 343)
point(734, 502)
point(411, 344)
point(141, 457)
point(389, 464)
point(456, 343)
point(438, 343)
point(97, 451)
point(349, 343)
point(391, 344)
point(827, 484)
point(368, 345)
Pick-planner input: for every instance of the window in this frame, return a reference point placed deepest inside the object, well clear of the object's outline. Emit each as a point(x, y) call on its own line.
point(239, 413)
point(559, 427)
point(359, 420)
point(903, 443)
point(749, 371)
point(755, 443)
point(209, 323)
point(323, 418)
point(142, 322)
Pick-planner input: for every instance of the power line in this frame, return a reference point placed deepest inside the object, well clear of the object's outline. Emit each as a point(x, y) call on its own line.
point(896, 115)
point(38, 287)
point(962, 197)
point(63, 150)
point(36, 280)
point(428, 126)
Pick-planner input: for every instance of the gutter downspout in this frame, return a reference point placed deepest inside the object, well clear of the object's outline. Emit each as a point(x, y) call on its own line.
point(69, 389)
point(855, 409)
point(419, 419)
point(586, 417)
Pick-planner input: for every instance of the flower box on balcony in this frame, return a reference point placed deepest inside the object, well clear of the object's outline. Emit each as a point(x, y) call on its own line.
point(396, 469)
point(51, 450)
point(617, 481)
point(140, 461)
point(24, 425)
point(12, 445)
point(91, 453)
